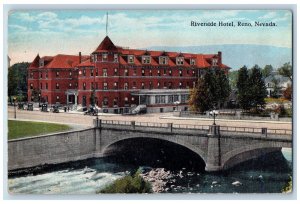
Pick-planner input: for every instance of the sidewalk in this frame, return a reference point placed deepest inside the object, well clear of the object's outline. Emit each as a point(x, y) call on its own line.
point(210, 119)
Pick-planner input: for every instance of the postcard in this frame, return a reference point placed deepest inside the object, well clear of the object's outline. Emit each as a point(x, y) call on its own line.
point(150, 101)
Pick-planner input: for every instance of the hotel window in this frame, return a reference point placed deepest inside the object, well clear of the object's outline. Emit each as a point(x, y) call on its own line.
point(130, 59)
point(115, 71)
point(170, 72)
point(57, 86)
point(193, 62)
point(104, 57)
point(134, 85)
point(31, 86)
point(165, 85)
point(41, 63)
point(105, 72)
point(126, 85)
point(180, 72)
point(115, 85)
point(150, 85)
point(171, 99)
point(70, 85)
point(57, 74)
point(157, 99)
point(31, 74)
point(105, 101)
point(182, 99)
point(57, 98)
point(126, 72)
point(158, 72)
point(142, 85)
point(41, 75)
point(105, 86)
point(96, 72)
point(194, 73)
point(84, 86)
point(146, 59)
point(46, 85)
point(162, 99)
point(41, 86)
point(150, 72)
point(115, 102)
point(92, 72)
point(187, 72)
point(126, 100)
point(163, 60)
point(46, 75)
point(170, 85)
point(143, 72)
point(76, 85)
point(158, 84)
point(165, 71)
point(134, 71)
point(180, 85)
point(179, 60)
point(176, 98)
point(92, 85)
point(70, 74)
point(214, 62)
point(194, 84)
point(115, 57)
point(187, 85)
point(83, 72)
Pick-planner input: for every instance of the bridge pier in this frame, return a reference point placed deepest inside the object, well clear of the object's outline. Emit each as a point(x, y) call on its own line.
point(213, 162)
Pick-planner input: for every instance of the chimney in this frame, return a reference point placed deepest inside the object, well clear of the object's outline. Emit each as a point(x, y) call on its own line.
point(219, 58)
point(79, 57)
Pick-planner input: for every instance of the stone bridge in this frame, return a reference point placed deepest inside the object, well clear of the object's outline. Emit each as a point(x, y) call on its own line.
point(220, 147)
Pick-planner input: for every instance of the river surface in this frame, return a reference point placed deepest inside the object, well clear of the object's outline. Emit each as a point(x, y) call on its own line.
point(265, 175)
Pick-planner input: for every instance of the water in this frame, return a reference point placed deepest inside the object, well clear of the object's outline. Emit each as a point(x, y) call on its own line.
point(263, 175)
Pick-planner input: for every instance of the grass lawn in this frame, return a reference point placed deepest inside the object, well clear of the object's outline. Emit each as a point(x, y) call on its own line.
point(19, 129)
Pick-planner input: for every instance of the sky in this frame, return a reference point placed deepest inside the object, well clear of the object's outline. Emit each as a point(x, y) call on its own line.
point(71, 31)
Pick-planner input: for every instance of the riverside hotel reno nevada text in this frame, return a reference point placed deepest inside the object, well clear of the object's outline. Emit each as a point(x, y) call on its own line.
point(120, 78)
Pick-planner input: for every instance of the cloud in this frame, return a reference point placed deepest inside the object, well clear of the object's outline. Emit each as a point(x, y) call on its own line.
point(269, 15)
point(17, 27)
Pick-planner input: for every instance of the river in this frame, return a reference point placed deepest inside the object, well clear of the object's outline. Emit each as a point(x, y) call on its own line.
point(264, 175)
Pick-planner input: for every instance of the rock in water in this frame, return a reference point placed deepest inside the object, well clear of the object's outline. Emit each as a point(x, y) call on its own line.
point(236, 183)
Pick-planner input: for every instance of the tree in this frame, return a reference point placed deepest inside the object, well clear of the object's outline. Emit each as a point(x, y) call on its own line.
point(287, 93)
point(200, 97)
point(36, 94)
point(232, 77)
point(210, 92)
point(286, 70)
point(243, 88)
point(222, 87)
point(267, 70)
point(257, 88)
point(17, 80)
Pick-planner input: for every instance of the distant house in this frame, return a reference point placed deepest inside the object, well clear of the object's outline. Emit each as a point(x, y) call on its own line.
point(282, 83)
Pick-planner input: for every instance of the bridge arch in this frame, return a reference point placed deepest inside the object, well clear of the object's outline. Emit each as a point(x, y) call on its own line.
point(171, 139)
point(246, 153)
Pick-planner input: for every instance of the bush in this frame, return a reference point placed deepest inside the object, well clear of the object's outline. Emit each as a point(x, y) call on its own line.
point(287, 188)
point(128, 184)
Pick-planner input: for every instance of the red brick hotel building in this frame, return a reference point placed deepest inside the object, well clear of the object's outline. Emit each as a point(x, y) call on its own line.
point(120, 79)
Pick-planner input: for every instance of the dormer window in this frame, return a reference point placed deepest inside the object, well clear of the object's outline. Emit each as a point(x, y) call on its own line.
point(130, 59)
point(41, 62)
point(146, 59)
point(179, 60)
point(104, 57)
point(163, 60)
point(193, 62)
point(214, 62)
point(115, 57)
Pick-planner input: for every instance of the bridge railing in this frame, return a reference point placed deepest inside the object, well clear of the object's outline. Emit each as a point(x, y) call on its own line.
point(170, 127)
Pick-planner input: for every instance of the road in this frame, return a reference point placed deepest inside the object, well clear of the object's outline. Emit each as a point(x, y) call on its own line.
point(87, 121)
